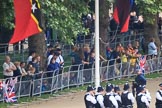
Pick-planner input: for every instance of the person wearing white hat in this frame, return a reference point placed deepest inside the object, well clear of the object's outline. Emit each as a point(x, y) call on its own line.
point(158, 103)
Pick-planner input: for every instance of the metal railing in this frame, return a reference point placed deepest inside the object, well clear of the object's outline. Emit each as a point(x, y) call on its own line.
point(77, 75)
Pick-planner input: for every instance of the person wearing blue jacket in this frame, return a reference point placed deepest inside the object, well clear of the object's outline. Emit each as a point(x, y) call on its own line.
point(53, 66)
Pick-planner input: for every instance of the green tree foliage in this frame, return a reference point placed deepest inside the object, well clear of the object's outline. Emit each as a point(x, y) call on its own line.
point(149, 9)
point(65, 16)
point(7, 14)
point(62, 15)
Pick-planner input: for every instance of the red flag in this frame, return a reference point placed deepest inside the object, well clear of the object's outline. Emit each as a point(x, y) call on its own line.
point(27, 19)
point(122, 13)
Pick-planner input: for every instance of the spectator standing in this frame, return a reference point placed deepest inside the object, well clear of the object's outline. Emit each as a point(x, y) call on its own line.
point(31, 55)
point(17, 72)
point(152, 48)
point(115, 57)
point(49, 48)
point(78, 58)
point(50, 57)
point(53, 66)
point(8, 68)
point(30, 70)
point(86, 51)
point(91, 59)
point(35, 65)
point(158, 103)
point(22, 69)
point(60, 60)
point(108, 52)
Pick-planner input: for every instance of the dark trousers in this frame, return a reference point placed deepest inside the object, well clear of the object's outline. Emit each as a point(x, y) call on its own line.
point(7, 78)
point(159, 106)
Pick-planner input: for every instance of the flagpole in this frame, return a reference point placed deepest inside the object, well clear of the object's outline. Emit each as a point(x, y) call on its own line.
point(97, 52)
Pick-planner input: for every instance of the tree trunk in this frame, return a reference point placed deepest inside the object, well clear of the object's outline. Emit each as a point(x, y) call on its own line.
point(103, 23)
point(151, 30)
point(37, 43)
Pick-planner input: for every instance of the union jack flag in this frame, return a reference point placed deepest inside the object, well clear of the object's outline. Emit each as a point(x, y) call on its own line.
point(142, 61)
point(9, 92)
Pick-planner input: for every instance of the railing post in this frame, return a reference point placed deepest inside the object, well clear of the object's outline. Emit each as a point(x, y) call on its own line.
point(78, 82)
point(41, 83)
point(20, 87)
point(61, 81)
point(82, 75)
point(107, 70)
point(68, 79)
point(129, 69)
point(93, 68)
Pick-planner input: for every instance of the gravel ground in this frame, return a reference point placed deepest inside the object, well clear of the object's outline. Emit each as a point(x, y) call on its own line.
point(75, 100)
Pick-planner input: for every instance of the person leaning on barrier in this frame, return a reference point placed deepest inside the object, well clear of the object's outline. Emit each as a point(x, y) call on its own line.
point(89, 97)
point(127, 97)
point(117, 95)
point(99, 97)
point(8, 68)
point(158, 103)
point(109, 99)
point(142, 101)
point(22, 69)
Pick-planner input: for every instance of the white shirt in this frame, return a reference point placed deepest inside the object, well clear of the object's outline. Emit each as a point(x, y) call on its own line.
point(29, 59)
point(113, 100)
point(117, 97)
point(144, 99)
point(100, 100)
point(158, 96)
point(7, 66)
point(60, 59)
point(130, 96)
point(49, 59)
point(152, 49)
point(91, 98)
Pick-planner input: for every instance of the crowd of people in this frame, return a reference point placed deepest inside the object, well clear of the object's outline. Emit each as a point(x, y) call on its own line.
point(80, 55)
point(113, 97)
point(31, 67)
